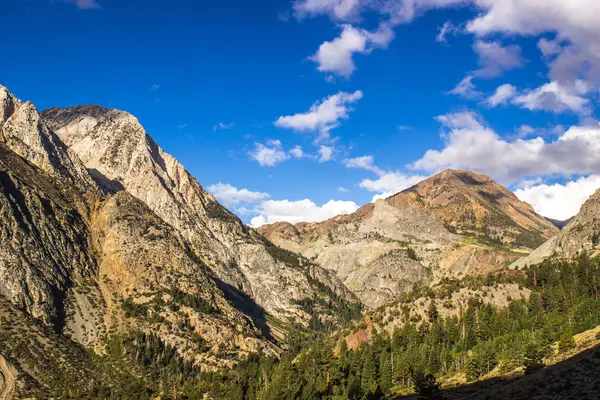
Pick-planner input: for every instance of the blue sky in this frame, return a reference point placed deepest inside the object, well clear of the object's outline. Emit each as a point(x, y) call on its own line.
point(376, 94)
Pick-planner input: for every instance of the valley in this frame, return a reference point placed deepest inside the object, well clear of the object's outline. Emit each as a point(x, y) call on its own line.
point(119, 270)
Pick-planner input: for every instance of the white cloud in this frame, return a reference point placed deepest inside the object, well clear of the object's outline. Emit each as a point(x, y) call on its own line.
point(335, 56)
point(495, 58)
point(390, 183)
point(322, 116)
point(342, 189)
point(297, 152)
point(460, 120)
point(337, 9)
point(573, 21)
point(466, 89)
point(551, 97)
point(325, 153)
point(306, 210)
point(230, 196)
point(549, 48)
point(556, 98)
point(269, 155)
point(502, 95)
point(363, 162)
point(397, 11)
point(469, 144)
point(559, 201)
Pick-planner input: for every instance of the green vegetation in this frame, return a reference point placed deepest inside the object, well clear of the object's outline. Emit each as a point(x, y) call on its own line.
point(481, 338)
point(564, 301)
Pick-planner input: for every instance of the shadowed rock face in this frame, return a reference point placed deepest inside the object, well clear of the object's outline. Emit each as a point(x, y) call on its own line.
point(455, 223)
point(45, 243)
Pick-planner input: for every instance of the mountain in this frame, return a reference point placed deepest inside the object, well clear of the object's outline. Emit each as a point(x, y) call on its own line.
point(558, 223)
point(134, 252)
point(581, 233)
point(453, 224)
point(120, 155)
point(472, 203)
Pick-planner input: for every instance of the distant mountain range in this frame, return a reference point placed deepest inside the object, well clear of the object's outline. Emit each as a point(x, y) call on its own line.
point(453, 224)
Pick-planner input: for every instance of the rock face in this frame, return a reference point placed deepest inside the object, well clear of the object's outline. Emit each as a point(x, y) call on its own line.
point(25, 133)
point(455, 223)
point(120, 155)
point(471, 203)
point(136, 245)
point(582, 233)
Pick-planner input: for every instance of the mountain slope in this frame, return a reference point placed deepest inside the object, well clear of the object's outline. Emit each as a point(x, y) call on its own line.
point(46, 245)
point(472, 203)
point(582, 233)
point(454, 224)
point(82, 264)
point(120, 155)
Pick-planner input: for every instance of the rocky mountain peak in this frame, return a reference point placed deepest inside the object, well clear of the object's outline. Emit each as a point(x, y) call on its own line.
point(473, 203)
point(8, 102)
point(120, 155)
point(25, 132)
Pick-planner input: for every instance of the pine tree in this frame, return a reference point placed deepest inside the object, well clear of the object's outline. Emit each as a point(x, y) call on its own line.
point(432, 312)
point(427, 387)
point(532, 357)
point(385, 372)
point(567, 341)
point(353, 390)
point(368, 376)
point(473, 369)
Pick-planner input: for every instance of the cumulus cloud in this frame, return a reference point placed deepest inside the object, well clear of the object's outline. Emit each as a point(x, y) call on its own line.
point(470, 144)
point(575, 53)
point(502, 95)
point(551, 97)
point(495, 58)
point(306, 210)
point(363, 162)
point(322, 116)
point(297, 152)
point(270, 154)
point(325, 153)
point(231, 196)
point(559, 201)
point(556, 98)
point(574, 22)
point(336, 56)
